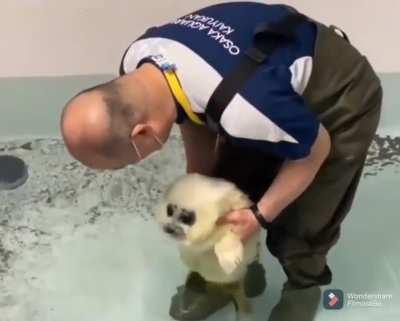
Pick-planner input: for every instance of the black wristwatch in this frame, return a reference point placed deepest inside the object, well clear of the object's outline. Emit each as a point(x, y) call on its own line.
point(260, 218)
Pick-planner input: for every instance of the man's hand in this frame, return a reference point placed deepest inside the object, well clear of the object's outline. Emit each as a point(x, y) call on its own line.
point(245, 224)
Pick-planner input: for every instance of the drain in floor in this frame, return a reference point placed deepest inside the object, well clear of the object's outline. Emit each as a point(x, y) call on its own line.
point(13, 172)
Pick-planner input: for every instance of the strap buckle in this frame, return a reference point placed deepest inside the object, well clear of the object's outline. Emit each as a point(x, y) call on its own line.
point(340, 32)
point(256, 54)
point(211, 123)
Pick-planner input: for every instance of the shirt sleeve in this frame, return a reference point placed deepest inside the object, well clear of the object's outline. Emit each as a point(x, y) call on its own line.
point(286, 126)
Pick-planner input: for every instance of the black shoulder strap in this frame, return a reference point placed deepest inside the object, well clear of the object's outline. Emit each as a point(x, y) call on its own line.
point(267, 37)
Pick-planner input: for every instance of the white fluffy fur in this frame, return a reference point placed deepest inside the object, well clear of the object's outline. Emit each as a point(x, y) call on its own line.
point(212, 250)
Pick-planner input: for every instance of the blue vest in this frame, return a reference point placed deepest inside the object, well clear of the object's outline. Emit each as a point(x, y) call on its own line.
point(269, 112)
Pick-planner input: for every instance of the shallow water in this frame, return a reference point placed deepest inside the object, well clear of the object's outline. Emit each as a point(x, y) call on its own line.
point(80, 245)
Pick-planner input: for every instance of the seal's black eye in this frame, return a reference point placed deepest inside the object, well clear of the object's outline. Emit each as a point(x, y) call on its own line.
point(170, 210)
point(187, 217)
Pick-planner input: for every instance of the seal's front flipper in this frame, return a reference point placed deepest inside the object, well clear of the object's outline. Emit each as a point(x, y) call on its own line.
point(229, 251)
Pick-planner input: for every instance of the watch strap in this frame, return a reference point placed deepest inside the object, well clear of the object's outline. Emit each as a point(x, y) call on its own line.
point(260, 218)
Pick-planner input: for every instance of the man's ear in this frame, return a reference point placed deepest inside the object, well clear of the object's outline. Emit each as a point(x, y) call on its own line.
point(140, 133)
point(139, 129)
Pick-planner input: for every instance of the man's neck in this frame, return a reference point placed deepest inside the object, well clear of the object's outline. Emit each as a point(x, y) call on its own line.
point(159, 94)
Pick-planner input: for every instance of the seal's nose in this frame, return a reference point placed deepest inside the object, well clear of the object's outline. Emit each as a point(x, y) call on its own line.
point(168, 229)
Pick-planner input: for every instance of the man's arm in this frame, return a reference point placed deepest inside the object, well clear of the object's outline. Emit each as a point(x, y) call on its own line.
point(199, 143)
point(294, 177)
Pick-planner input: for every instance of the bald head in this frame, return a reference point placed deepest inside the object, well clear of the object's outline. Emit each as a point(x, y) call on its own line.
point(96, 124)
point(119, 122)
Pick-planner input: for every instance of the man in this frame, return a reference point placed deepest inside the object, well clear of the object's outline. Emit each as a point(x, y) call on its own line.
point(294, 136)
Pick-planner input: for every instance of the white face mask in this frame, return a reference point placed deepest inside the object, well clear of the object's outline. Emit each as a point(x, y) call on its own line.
point(153, 153)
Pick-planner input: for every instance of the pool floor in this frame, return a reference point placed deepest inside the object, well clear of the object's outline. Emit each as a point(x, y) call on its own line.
point(80, 245)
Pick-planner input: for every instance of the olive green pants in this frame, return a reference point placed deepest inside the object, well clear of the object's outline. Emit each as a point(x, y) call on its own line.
point(345, 93)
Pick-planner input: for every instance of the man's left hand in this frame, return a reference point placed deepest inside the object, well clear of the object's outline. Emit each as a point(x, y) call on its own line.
point(244, 223)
